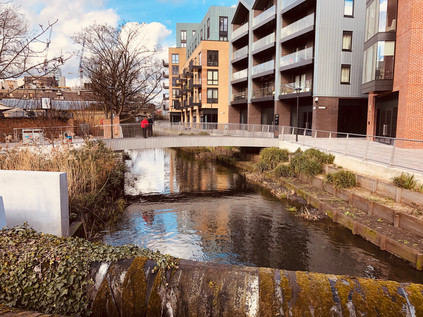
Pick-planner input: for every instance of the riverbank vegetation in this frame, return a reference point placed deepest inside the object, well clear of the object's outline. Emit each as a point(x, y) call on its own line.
point(95, 180)
point(45, 273)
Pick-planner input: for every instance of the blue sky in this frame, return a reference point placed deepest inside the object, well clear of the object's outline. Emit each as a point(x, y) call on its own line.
point(167, 12)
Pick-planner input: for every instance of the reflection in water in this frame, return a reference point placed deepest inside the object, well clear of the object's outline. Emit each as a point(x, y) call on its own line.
point(231, 224)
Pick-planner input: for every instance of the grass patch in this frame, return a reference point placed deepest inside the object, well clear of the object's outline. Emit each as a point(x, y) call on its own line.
point(405, 180)
point(342, 179)
point(273, 156)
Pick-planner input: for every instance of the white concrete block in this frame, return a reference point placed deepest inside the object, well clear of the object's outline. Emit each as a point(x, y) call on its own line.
point(3, 222)
point(39, 198)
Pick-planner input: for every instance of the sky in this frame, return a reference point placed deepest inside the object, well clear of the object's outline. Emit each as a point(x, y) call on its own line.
point(160, 16)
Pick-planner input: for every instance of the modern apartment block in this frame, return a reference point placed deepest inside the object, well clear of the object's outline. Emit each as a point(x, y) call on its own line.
point(393, 69)
point(298, 54)
point(199, 69)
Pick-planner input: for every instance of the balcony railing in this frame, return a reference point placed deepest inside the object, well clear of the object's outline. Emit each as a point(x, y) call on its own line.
point(165, 85)
point(264, 92)
point(290, 88)
point(297, 57)
point(298, 25)
point(264, 15)
point(165, 63)
point(241, 74)
point(242, 52)
point(287, 3)
point(239, 31)
point(269, 39)
point(165, 74)
point(194, 101)
point(240, 96)
point(270, 65)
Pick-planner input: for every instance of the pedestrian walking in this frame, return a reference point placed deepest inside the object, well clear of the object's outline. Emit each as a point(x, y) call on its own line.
point(144, 127)
point(150, 126)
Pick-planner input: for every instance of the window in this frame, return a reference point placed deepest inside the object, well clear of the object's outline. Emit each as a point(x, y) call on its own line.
point(183, 35)
point(212, 58)
point(345, 74)
point(223, 28)
point(175, 81)
point(212, 96)
point(381, 16)
point(348, 8)
point(347, 41)
point(183, 44)
point(199, 58)
point(212, 77)
point(379, 60)
point(175, 93)
point(175, 58)
point(175, 69)
point(201, 35)
point(193, 33)
point(208, 28)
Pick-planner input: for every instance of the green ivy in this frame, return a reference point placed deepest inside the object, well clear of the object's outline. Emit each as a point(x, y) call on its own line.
point(49, 274)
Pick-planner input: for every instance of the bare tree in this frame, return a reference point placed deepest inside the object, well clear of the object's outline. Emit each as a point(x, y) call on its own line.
point(123, 71)
point(22, 51)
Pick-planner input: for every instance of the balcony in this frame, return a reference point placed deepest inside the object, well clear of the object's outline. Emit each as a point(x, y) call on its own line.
point(195, 82)
point(243, 74)
point(287, 3)
point(240, 97)
point(194, 64)
point(301, 26)
point(300, 58)
point(165, 75)
point(264, 43)
point(241, 53)
point(264, 68)
point(290, 88)
point(176, 105)
point(165, 96)
point(165, 64)
point(239, 32)
point(194, 101)
point(264, 93)
point(165, 85)
point(265, 16)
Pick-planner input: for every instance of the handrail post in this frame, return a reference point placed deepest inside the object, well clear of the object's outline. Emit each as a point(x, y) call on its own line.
point(367, 148)
point(346, 144)
point(304, 135)
point(392, 154)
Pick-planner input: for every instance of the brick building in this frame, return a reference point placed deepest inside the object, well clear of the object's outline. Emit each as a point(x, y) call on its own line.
point(393, 70)
point(199, 69)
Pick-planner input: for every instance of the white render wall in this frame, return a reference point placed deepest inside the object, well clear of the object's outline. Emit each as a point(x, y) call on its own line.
point(38, 198)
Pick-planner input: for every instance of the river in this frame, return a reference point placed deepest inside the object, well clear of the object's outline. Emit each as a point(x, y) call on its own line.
point(204, 212)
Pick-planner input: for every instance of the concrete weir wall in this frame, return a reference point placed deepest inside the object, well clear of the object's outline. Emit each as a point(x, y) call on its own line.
point(131, 288)
point(39, 198)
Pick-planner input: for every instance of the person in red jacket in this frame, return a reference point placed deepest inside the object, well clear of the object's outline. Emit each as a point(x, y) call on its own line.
point(144, 126)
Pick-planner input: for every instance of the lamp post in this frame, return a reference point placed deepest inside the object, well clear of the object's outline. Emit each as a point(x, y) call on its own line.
point(297, 90)
point(111, 113)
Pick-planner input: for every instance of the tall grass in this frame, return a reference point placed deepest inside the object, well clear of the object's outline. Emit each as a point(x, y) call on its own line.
point(95, 179)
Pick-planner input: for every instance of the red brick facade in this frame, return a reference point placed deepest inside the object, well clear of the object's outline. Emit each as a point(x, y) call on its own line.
point(408, 79)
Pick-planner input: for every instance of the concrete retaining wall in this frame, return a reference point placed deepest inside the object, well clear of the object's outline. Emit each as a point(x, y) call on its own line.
point(131, 288)
point(39, 198)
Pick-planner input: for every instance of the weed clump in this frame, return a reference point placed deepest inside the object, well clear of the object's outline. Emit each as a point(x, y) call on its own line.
point(284, 170)
point(342, 179)
point(273, 156)
point(405, 180)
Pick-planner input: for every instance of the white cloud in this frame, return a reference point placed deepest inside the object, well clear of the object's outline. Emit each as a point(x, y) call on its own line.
point(72, 17)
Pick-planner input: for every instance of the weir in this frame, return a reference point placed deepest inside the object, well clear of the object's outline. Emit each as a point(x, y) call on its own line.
point(132, 288)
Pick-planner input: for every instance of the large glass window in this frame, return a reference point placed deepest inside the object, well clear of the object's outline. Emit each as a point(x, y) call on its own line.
point(347, 41)
point(212, 58)
point(380, 17)
point(223, 28)
point(212, 77)
point(175, 58)
point(348, 8)
point(379, 61)
point(212, 95)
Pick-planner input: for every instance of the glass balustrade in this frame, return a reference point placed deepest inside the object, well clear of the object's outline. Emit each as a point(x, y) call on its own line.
point(270, 65)
point(287, 3)
point(290, 88)
point(269, 39)
point(298, 26)
point(297, 57)
point(264, 15)
point(241, 74)
point(242, 29)
point(242, 52)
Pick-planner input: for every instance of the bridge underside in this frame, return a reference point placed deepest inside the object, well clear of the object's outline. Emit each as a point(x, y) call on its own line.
point(189, 141)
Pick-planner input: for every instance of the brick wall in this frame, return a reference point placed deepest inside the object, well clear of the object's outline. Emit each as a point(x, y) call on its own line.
point(326, 119)
point(409, 70)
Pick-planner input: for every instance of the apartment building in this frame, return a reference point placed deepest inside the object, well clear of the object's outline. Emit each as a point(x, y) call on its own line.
point(393, 68)
point(298, 54)
point(199, 69)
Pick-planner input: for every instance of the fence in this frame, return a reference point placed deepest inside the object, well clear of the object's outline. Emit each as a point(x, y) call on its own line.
point(403, 153)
